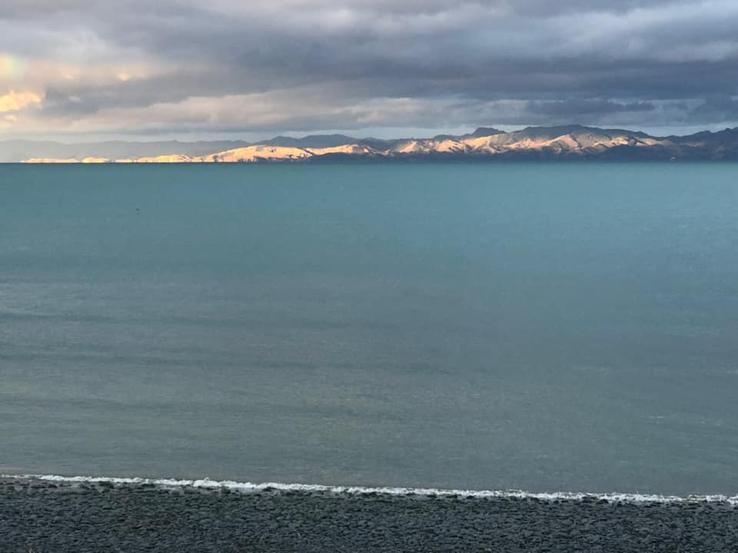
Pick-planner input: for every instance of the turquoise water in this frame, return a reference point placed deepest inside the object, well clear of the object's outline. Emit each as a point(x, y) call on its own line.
point(566, 327)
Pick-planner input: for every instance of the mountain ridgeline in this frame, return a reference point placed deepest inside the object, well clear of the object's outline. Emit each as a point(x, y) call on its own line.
point(532, 143)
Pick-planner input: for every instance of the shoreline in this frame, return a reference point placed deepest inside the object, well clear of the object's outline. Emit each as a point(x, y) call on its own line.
point(58, 514)
point(208, 484)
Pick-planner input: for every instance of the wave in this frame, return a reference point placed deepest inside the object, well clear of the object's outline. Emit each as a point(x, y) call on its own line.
point(249, 487)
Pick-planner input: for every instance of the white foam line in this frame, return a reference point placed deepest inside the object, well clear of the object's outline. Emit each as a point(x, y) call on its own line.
point(249, 487)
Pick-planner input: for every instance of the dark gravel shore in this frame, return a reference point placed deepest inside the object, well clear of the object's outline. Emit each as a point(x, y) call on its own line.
point(45, 517)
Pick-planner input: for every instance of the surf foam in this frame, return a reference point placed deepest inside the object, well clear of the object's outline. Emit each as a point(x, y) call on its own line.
point(249, 487)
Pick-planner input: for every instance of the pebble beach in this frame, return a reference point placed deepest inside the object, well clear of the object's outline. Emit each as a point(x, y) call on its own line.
point(64, 516)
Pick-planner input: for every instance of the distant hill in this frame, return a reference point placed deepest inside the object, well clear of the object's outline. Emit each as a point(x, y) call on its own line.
point(12, 151)
point(532, 143)
point(312, 141)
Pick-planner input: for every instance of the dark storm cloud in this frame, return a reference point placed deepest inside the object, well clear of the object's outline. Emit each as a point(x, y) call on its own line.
point(715, 109)
point(575, 108)
point(318, 64)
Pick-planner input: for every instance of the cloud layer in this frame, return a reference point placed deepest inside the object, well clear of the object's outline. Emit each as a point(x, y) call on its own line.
point(229, 66)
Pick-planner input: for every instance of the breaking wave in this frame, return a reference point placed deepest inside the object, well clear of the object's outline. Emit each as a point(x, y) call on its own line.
point(249, 487)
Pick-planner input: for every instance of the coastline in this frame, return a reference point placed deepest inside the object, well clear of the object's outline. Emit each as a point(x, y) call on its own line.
point(207, 484)
point(52, 513)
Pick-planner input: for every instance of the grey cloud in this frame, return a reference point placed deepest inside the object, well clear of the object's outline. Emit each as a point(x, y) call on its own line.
point(573, 108)
point(715, 109)
point(465, 62)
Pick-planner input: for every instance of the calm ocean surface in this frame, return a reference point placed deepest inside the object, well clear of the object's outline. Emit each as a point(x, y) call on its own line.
point(568, 327)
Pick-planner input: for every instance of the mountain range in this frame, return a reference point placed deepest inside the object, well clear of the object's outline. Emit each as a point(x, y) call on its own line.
point(532, 143)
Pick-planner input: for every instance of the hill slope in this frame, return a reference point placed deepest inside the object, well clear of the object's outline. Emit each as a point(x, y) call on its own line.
point(532, 143)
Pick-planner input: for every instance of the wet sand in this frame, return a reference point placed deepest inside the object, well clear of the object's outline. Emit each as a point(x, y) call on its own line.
point(56, 517)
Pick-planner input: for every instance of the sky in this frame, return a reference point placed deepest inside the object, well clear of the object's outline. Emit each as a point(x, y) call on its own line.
point(151, 69)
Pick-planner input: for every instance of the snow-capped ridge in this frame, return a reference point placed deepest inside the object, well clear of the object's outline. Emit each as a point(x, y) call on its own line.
point(561, 142)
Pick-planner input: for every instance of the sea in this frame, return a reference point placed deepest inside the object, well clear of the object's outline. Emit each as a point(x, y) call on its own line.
point(547, 327)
